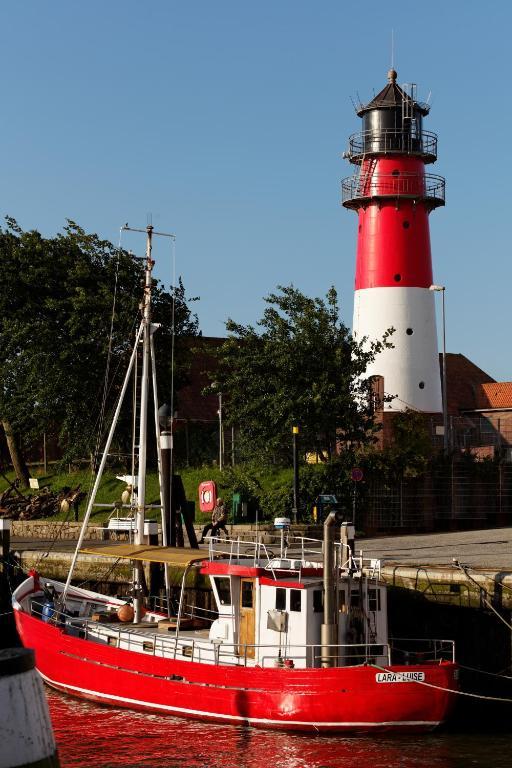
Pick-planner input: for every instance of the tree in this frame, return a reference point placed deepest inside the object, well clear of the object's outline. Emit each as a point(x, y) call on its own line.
point(56, 315)
point(301, 367)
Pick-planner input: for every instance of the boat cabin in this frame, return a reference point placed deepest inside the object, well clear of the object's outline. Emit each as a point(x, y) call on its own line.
point(276, 612)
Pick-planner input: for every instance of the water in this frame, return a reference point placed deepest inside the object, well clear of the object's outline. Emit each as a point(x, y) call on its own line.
point(99, 737)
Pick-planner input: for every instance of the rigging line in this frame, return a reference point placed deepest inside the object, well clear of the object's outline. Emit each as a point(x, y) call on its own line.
point(109, 351)
point(442, 688)
point(102, 578)
point(58, 528)
point(173, 330)
point(121, 360)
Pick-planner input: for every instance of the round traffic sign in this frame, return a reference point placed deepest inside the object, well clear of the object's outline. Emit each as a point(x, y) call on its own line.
point(357, 474)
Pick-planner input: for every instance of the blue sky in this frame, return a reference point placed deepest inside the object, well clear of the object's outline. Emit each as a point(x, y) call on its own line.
point(226, 120)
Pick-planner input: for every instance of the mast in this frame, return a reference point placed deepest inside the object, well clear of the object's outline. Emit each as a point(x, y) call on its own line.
point(143, 420)
point(144, 335)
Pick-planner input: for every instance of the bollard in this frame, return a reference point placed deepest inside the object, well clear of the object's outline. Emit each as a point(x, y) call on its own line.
point(26, 734)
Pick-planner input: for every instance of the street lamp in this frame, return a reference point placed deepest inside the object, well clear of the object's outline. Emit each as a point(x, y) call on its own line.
point(221, 441)
point(214, 386)
point(442, 289)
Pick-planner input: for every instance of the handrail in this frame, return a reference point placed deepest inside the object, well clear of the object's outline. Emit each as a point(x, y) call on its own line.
point(428, 187)
point(170, 645)
point(392, 141)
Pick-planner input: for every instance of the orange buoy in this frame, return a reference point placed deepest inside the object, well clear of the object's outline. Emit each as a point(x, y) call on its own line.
point(125, 612)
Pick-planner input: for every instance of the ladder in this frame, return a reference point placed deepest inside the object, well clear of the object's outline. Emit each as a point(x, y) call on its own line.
point(366, 177)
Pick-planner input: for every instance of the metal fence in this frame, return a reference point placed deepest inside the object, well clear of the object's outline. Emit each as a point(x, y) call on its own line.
point(461, 495)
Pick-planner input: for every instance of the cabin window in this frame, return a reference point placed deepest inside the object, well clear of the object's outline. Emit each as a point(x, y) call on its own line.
point(223, 590)
point(295, 599)
point(280, 599)
point(318, 601)
point(247, 594)
point(355, 600)
point(374, 600)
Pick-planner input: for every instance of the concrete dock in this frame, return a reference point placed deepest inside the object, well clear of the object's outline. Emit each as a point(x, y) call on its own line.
point(463, 568)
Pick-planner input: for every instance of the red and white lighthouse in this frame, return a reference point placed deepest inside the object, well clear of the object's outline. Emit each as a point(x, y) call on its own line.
point(393, 197)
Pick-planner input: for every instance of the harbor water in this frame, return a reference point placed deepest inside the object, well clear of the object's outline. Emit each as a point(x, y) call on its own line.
point(99, 737)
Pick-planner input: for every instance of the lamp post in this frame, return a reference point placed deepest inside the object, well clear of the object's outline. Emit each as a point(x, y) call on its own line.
point(295, 511)
point(214, 386)
point(442, 289)
point(221, 452)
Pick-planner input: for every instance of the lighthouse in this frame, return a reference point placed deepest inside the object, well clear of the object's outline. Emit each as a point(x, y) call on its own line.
point(393, 197)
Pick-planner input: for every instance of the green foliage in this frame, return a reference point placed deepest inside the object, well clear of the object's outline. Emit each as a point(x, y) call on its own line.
point(56, 300)
point(301, 367)
point(412, 448)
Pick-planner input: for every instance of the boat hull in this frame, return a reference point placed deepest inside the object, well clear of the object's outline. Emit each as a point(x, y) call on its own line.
point(319, 700)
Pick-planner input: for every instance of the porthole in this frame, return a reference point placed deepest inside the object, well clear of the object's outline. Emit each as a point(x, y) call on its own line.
point(421, 385)
point(409, 331)
point(396, 172)
point(405, 225)
point(397, 278)
point(360, 227)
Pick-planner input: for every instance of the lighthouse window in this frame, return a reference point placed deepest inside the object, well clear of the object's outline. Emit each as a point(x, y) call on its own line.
point(295, 599)
point(397, 278)
point(409, 331)
point(405, 225)
point(421, 385)
point(280, 599)
point(395, 172)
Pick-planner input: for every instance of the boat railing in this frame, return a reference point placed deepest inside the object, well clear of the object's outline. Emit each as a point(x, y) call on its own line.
point(406, 651)
point(202, 649)
point(413, 650)
point(289, 552)
point(238, 550)
point(197, 612)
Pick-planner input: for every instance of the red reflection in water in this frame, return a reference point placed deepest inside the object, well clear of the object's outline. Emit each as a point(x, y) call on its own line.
point(104, 737)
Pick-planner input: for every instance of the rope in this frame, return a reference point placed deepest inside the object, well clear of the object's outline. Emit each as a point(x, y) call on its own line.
point(484, 672)
point(464, 570)
point(441, 688)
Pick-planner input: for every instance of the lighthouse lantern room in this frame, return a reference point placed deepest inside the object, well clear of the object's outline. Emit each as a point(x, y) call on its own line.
point(393, 197)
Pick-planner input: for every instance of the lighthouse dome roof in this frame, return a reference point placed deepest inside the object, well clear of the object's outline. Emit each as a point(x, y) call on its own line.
point(392, 96)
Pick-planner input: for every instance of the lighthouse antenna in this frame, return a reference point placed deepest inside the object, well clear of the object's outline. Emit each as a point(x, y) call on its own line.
point(392, 48)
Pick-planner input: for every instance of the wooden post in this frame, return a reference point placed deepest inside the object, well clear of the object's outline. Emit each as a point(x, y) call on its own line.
point(5, 538)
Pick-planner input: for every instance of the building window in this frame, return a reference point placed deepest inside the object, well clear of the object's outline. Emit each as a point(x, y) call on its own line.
point(280, 599)
point(295, 600)
point(421, 385)
point(318, 601)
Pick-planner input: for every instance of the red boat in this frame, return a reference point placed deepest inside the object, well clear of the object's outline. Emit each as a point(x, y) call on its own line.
point(262, 661)
point(298, 641)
